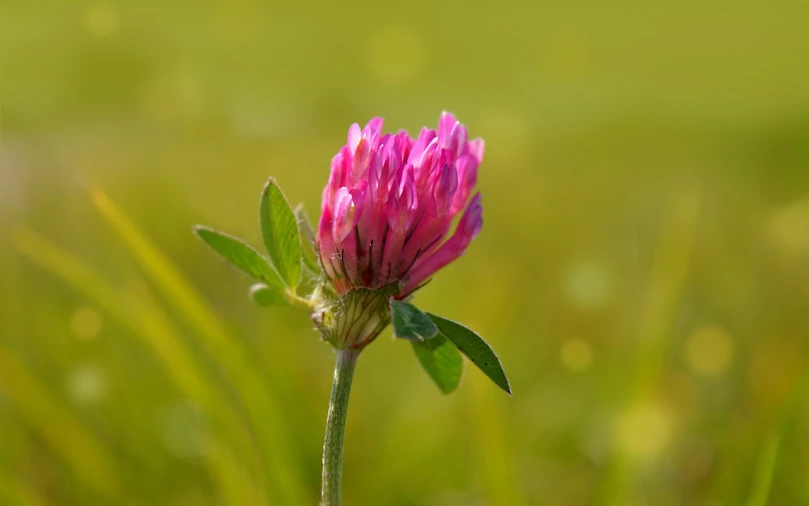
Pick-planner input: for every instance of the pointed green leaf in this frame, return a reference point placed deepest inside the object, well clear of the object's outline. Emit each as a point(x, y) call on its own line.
point(442, 361)
point(265, 296)
point(410, 323)
point(240, 255)
point(279, 230)
point(475, 348)
point(308, 239)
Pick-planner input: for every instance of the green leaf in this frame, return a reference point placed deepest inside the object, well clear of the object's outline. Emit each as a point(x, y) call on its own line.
point(279, 230)
point(265, 296)
point(475, 348)
point(442, 361)
point(309, 241)
point(240, 255)
point(410, 323)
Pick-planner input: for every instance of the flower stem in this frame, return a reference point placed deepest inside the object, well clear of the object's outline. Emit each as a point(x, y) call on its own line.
point(297, 300)
point(331, 491)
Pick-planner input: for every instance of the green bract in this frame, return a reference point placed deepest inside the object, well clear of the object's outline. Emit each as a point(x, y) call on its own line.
point(442, 361)
point(437, 342)
point(410, 323)
point(355, 319)
point(475, 348)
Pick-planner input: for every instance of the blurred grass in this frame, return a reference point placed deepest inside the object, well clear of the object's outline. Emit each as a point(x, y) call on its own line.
point(661, 300)
point(80, 449)
point(15, 492)
point(145, 321)
point(642, 271)
point(253, 394)
point(765, 469)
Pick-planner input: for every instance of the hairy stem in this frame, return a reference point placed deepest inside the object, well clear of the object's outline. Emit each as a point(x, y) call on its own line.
point(331, 491)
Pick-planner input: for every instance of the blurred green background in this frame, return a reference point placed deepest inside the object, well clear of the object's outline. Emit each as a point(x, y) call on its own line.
point(643, 270)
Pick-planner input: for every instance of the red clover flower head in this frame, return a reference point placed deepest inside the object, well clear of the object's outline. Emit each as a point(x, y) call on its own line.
point(389, 205)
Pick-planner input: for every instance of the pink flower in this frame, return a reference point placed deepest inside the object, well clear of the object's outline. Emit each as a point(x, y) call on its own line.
point(389, 205)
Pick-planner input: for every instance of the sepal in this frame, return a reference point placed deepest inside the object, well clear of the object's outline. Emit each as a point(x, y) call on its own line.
point(410, 323)
point(356, 318)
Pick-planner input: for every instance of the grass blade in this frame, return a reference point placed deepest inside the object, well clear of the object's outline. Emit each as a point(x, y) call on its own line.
point(85, 454)
point(146, 322)
point(244, 374)
point(765, 470)
point(669, 272)
point(15, 492)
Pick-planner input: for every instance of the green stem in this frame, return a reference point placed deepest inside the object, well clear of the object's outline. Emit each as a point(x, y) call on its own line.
point(331, 491)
